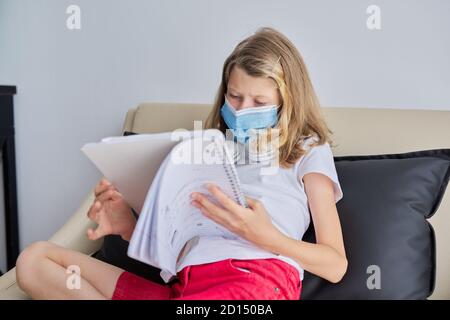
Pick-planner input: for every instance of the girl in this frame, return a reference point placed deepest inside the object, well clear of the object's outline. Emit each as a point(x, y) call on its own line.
point(265, 84)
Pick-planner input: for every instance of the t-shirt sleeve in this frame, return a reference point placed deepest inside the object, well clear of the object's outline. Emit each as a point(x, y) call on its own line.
point(320, 159)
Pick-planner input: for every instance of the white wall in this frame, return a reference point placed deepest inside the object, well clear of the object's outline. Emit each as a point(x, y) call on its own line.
point(75, 86)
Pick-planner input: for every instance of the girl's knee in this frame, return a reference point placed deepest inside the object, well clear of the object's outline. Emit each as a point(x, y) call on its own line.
point(28, 260)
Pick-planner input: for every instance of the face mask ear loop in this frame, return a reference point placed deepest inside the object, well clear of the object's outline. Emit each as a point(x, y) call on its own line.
point(230, 105)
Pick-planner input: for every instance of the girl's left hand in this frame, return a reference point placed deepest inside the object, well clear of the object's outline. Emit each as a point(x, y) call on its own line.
point(253, 223)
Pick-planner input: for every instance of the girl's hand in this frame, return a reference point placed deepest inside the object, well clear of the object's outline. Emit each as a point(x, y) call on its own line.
point(111, 212)
point(253, 223)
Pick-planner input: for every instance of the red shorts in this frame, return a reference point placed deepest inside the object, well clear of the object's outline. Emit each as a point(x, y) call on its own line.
point(230, 279)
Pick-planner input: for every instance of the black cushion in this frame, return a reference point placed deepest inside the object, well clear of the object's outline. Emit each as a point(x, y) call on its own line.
point(387, 199)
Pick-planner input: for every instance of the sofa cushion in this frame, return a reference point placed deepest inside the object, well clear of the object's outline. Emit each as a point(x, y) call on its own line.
point(389, 243)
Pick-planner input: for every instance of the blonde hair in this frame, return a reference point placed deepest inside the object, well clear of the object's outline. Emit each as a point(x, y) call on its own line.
point(268, 53)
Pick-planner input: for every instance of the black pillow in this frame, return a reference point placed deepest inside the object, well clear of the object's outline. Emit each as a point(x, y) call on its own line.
point(387, 199)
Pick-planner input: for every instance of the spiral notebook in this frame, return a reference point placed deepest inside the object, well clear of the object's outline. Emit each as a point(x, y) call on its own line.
point(167, 220)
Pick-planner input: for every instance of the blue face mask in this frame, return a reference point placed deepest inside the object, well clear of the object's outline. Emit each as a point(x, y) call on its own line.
point(240, 122)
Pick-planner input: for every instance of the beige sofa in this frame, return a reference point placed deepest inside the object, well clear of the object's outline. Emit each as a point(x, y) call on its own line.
point(356, 131)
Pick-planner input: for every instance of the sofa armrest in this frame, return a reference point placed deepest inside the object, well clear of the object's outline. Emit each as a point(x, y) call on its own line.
point(71, 235)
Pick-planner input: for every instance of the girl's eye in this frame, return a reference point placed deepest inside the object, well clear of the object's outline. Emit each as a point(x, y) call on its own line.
point(258, 103)
point(234, 97)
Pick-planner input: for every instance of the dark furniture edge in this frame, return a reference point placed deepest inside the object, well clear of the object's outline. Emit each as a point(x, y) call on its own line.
point(7, 90)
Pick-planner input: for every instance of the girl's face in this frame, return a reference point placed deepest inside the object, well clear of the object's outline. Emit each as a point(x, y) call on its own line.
point(245, 91)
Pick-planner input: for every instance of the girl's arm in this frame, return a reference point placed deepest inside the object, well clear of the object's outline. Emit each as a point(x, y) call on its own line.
point(325, 258)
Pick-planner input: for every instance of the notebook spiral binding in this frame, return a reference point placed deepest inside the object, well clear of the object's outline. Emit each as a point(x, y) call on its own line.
point(232, 175)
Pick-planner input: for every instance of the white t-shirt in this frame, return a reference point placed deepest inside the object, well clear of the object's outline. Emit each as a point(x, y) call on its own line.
point(283, 195)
